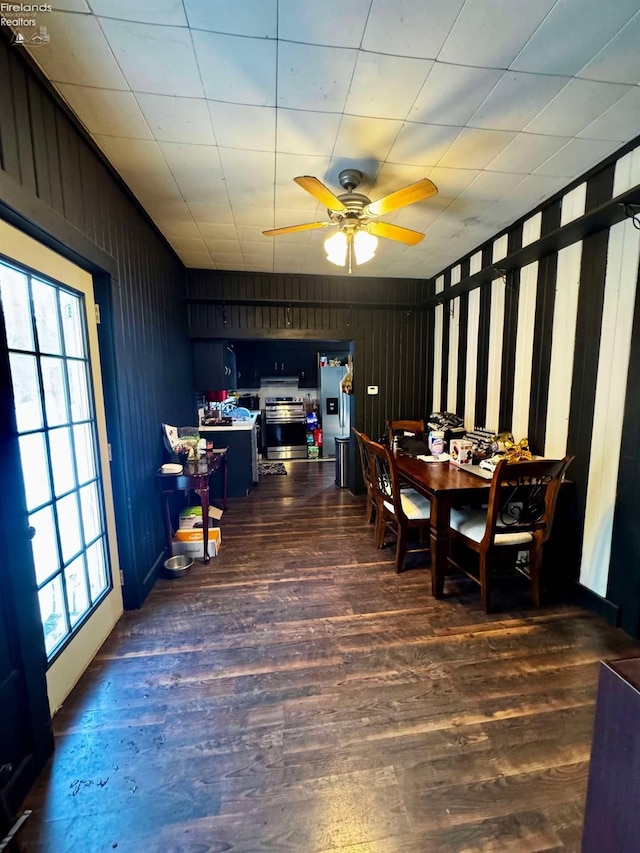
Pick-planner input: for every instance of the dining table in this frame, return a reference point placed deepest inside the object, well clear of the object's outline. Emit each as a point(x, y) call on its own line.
point(444, 484)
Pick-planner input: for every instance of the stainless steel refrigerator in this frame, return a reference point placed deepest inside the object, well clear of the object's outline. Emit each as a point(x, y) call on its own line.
point(334, 408)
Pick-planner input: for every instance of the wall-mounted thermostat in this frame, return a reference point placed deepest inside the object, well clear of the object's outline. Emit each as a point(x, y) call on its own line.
point(372, 390)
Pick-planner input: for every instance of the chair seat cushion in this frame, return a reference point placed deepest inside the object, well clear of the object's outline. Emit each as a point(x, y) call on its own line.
point(415, 505)
point(473, 522)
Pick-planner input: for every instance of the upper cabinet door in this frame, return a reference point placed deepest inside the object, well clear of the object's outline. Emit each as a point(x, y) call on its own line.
point(280, 359)
point(230, 373)
point(209, 366)
point(308, 369)
point(247, 364)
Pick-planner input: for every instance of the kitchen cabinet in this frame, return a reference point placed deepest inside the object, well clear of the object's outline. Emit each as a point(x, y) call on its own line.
point(248, 364)
point(214, 365)
point(279, 359)
point(308, 369)
point(241, 442)
point(259, 360)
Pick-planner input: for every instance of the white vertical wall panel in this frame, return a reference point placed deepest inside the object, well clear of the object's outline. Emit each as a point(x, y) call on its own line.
point(615, 345)
point(500, 247)
point(473, 322)
point(565, 313)
point(627, 172)
point(524, 348)
point(531, 229)
point(573, 204)
point(454, 344)
point(437, 349)
point(496, 334)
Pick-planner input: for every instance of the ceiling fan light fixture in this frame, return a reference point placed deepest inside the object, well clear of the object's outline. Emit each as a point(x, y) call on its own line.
point(353, 243)
point(336, 248)
point(364, 246)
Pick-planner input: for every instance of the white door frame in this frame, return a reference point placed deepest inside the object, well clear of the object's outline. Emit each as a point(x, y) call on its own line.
point(69, 665)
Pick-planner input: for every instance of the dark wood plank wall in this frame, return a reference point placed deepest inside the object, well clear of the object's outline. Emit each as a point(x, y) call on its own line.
point(381, 316)
point(55, 184)
point(512, 290)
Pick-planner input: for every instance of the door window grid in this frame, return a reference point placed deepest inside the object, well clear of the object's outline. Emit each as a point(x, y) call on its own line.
point(48, 351)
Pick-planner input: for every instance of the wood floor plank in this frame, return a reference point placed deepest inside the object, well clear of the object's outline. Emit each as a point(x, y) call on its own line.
point(296, 694)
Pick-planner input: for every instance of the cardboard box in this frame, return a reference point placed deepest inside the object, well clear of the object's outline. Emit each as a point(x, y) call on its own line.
point(191, 517)
point(461, 452)
point(195, 547)
point(194, 534)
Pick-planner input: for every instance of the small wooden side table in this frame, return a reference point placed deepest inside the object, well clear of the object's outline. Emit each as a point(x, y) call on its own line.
point(195, 477)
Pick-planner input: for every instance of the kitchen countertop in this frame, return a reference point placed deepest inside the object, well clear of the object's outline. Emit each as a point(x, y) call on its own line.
point(245, 424)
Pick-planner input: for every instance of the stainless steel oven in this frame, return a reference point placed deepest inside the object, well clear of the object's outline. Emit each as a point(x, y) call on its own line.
point(285, 428)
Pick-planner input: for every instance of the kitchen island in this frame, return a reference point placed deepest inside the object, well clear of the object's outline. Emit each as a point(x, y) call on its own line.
point(241, 439)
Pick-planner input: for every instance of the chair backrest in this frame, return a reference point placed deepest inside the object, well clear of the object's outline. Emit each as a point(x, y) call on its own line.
point(523, 497)
point(361, 438)
point(384, 477)
point(400, 427)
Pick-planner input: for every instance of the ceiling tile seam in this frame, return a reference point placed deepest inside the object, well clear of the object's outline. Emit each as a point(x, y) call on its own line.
point(610, 82)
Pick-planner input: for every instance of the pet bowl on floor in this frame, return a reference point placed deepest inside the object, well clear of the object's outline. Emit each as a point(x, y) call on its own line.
point(177, 566)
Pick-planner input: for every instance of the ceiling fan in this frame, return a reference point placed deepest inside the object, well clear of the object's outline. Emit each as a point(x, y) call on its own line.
point(356, 217)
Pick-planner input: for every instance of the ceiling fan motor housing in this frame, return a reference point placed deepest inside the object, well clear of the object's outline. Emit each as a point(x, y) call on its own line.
point(349, 179)
point(355, 203)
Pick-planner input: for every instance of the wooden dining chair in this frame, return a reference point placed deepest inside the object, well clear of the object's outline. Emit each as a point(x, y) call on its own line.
point(393, 428)
point(518, 517)
point(397, 511)
point(361, 438)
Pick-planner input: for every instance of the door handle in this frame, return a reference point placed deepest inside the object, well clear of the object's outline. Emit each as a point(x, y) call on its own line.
point(31, 532)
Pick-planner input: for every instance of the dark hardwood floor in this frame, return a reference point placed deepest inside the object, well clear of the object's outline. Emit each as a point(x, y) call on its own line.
point(298, 695)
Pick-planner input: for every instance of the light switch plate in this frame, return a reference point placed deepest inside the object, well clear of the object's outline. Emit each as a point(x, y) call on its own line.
point(372, 390)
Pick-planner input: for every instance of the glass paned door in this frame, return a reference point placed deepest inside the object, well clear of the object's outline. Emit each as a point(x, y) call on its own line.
point(50, 338)
point(57, 436)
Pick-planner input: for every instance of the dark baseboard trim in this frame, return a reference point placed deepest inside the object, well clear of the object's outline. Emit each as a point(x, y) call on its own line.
point(590, 600)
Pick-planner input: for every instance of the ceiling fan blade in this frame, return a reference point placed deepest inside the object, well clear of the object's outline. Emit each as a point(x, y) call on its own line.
point(401, 198)
point(290, 228)
point(395, 232)
point(319, 191)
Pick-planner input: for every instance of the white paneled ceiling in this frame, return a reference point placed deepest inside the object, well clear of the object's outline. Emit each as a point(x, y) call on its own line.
point(209, 108)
